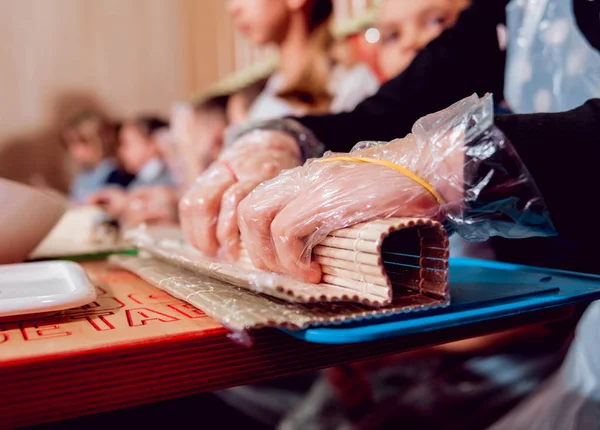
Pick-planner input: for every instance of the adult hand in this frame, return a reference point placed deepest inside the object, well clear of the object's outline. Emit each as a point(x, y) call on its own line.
point(208, 211)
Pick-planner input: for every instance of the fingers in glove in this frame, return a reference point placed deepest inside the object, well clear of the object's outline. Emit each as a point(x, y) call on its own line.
point(201, 207)
point(228, 234)
point(289, 241)
point(256, 213)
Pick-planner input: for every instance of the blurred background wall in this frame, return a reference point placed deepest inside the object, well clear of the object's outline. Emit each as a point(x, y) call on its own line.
point(125, 56)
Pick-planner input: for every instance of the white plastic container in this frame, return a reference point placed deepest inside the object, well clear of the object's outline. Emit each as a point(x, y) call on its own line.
point(32, 288)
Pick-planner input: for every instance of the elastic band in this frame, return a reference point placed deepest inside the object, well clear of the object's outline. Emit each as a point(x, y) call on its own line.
point(228, 167)
point(390, 165)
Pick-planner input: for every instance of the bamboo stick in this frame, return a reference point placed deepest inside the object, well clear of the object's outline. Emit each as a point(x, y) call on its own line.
point(367, 246)
point(342, 254)
point(350, 266)
point(357, 276)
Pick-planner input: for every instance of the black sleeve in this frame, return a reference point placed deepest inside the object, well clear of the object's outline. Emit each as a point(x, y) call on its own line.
point(561, 152)
point(120, 178)
point(462, 61)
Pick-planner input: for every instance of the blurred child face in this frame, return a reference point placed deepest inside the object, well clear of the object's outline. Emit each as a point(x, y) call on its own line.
point(262, 21)
point(84, 148)
point(135, 149)
point(208, 137)
point(407, 26)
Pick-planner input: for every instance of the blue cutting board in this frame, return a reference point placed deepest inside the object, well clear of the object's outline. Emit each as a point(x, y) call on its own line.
point(481, 291)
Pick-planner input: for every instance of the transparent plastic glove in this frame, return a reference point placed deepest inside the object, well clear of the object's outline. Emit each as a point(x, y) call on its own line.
point(208, 211)
point(113, 200)
point(283, 219)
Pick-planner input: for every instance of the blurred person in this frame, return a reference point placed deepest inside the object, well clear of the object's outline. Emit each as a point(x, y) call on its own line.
point(240, 102)
point(308, 80)
point(407, 26)
point(355, 49)
point(139, 153)
point(211, 121)
point(189, 146)
point(91, 141)
point(353, 44)
point(196, 137)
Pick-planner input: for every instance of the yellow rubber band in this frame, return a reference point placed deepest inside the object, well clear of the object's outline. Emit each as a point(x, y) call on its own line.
point(390, 165)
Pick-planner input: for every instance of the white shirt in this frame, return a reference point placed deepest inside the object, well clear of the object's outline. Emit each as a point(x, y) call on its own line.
point(348, 86)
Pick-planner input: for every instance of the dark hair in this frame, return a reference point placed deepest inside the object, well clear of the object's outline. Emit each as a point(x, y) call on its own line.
point(148, 125)
point(251, 91)
point(215, 104)
point(102, 130)
point(320, 13)
point(309, 87)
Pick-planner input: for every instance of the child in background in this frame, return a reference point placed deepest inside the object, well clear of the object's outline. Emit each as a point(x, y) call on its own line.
point(140, 155)
point(196, 137)
point(210, 124)
point(193, 142)
point(407, 26)
point(91, 142)
point(139, 152)
point(308, 79)
point(240, 102)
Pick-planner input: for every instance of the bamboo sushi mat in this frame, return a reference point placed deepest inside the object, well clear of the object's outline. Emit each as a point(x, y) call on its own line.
point(373, 269)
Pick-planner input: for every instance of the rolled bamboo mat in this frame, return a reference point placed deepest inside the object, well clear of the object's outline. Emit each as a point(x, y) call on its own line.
point(368, 263)
point(240, 309)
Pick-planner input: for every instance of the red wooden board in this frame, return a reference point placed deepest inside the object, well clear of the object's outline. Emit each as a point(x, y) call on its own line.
point(136, 345)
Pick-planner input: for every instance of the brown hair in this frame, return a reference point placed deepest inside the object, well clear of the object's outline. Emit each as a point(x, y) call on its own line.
point(97, 129)
point(148, 125)
point(251, 91)
point(216, 105)
point(309, 87)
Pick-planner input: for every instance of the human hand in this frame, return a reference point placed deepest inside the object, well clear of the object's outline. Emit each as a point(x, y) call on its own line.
point(283, 219)
point(113, 200)
point(208, 211)
point(151, 205)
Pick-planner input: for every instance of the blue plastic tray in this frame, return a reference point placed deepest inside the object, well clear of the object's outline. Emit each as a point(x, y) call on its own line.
point(481, 291)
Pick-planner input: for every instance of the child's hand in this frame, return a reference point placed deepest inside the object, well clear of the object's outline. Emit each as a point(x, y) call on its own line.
point(113, 200)
point(151, 205)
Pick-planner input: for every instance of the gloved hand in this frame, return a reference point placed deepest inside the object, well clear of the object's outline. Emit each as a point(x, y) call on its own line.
point(283, 219)
point(208, 211)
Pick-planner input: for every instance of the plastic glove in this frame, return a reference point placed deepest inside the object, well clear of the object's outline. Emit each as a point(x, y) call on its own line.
point(480, 185)
point(283, 219)
point(208, 211)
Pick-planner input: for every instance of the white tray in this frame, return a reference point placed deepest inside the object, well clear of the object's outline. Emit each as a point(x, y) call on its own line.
point(43, 287)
